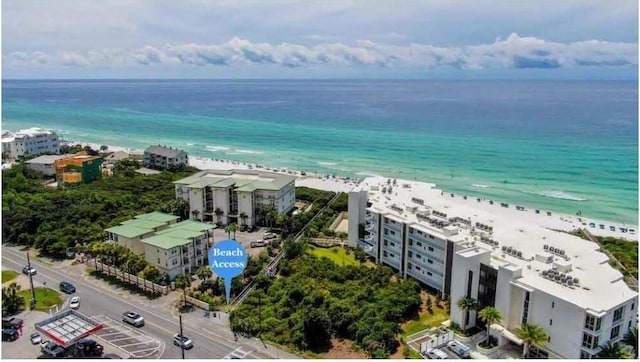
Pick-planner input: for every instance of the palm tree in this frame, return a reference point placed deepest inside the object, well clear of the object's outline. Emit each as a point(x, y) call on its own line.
point(631, 338)
point(12, 302)
point(218, 213)
point(183, 282)
point(531, 335)
point(244, 217)
point(231, 228)
point(204, 272)
point(195, 214)
point(611, 350)
point(467, 304)
point(490, 315)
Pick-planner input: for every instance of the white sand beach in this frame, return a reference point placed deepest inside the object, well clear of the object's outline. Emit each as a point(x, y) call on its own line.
point(555, 221)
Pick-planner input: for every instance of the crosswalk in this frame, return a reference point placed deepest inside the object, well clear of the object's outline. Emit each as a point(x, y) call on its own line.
point(237, 353)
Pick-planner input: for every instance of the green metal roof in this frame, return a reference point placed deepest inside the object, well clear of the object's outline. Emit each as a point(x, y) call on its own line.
point(128, 231)
point(158, 216)
point(164, 241)
point(144, 223)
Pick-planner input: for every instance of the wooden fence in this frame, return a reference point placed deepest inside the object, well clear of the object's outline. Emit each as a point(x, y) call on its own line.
point(198, 303)
point(143, 284)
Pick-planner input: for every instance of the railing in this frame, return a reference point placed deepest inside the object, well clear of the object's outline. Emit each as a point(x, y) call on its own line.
point(130, 278)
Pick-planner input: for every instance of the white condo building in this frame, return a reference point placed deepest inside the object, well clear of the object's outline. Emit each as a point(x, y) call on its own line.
point(236, 194)
point(32, 141)
point(459, 246)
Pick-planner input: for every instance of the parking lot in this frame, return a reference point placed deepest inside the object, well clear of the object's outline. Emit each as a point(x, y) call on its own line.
point(129, 340)
point(244, 237)
point(239, 353)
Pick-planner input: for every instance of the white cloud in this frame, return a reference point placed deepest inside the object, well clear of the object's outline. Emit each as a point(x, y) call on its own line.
point(512, 52)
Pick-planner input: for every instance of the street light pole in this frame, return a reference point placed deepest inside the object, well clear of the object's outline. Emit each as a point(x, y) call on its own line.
point(181, 337)
point(33, 301)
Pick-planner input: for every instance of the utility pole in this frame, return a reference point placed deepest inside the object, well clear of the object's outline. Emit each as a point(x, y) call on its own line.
point(32, 303)
point(181, 337)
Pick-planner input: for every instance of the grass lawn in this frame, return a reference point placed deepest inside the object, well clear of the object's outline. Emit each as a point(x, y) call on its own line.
point(426, 321)
point(337, 254)
point(45, 297)
point(8, 275)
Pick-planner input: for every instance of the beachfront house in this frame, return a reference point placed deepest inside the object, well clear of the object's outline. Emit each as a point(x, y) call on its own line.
point(226, 196)
point(464, 248)
point(174, 247)
point(78, 169)
point(32, 141)
point(45, 163)
point(164, 158)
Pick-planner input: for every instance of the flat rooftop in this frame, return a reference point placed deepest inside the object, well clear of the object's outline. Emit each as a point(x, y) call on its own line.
point(243, 180)
point(68, 327)
point(515, 236)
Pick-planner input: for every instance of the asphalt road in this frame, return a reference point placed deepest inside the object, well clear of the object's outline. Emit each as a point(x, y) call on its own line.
point(160, 324)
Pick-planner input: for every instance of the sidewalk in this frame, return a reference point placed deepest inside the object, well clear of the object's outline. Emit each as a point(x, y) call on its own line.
point(218, 326)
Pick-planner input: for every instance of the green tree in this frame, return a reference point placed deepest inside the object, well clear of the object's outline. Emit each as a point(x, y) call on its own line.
point(631, 339)
point(231, 228)
point(183, 282)
point(219, 214)
point(467, 304)
point(490, 315)
point(11, 301)
point(293, 249)
point(429, 304)
point(612, 350)
point(204, 272)
point(531, 335)
point(360, 254)
point(317, 329)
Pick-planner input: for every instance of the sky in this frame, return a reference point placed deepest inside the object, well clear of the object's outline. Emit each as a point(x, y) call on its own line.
point(425, 39)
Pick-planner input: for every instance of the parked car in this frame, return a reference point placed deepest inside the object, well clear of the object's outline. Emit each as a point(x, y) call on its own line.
point(434, 353)
point(36, 338)
point(67, 287)
point(29, 270)
point(182, 341)
point(10, 334)
point(12, 322)
point(269, 236)
point(252, 228)
point(459, 348)
point(75, 302)
point(88, 348)
point(244, 227)
point(259, 243)
point(133, 318)
point(53, 350)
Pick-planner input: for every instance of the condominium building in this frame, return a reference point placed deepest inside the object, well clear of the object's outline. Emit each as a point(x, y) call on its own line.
point(32, 141)
point(78, 169)
point(227, 196)
point(174, 247)
point(500, 257)
point(163, 158)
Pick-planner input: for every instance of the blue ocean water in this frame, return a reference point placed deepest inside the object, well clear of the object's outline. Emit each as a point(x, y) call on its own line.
point(556, 145)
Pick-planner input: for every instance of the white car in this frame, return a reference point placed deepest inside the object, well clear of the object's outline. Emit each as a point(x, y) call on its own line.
point(182, 341)
point(36, 338)
point(133, 318)
point(459, 348)
point(434, 353)
point(75, 302)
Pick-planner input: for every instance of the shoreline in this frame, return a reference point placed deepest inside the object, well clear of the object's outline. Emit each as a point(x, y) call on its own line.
point(554, 221)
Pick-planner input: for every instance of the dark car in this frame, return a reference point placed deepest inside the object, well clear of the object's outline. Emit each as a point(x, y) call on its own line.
point(9, 334)
point(244, 228)
point(12, 322)
point(253, 228)
point(67, 287)
point(52, 350)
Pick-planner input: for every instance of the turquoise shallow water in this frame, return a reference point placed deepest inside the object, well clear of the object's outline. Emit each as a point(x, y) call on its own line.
point(562, 146)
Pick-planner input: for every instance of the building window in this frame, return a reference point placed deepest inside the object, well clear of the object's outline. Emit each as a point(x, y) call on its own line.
point(418, 268)
point(410, 242)
point(633, 305)
point(429, 273)
point(550, 322)
point(429, 261)
point(410, 254)
point(617, 314)
point(553, 304)
point(419, 243)
point(430, 249)
point(431, 236)
point(391, 255)
point(409, 266)
point(592, 323)
point(525, 308)
point(158, 261)
point(589, 341)
point(585, 355)
point(615, 332)
point(385, 243)
point(393, 245)
point(384, 253)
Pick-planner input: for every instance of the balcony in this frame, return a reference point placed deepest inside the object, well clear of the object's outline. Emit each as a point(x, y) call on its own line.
point(370, 226)
point(371, 238)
